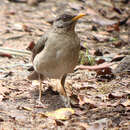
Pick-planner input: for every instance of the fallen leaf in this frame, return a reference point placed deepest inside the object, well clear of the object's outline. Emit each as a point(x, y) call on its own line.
point(123, 66)
point(117, 10)
point(102, 20)
point(84, 125)
point(83, 100)
point(5, 55)
point(25, 108)
point(114, 27)
point(95, 67)
point(124, 21)
point(126, 103)
point(119, 44)
point(59, 123)
point(100, 124)
point(8, 74)
point(98, 52)
point(1, 119)
point(104, 71)
point(118, 58)
point(116, 95)
point(61, 114)
point(4, 91)
point(26, 28)
point(104, 74)
point(31, 46)
point(100, 61)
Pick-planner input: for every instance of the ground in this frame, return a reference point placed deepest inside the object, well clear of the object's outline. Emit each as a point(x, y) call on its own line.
point(99, 100)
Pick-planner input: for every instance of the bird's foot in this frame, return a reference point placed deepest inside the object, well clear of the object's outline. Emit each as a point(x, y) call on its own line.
point(67, 101)
point(40, 104)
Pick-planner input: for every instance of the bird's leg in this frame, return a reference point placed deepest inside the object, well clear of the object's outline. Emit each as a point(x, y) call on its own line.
point(40, 90)
point(65, 98)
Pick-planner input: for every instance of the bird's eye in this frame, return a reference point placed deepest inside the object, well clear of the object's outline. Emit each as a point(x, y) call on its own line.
point(66, 17)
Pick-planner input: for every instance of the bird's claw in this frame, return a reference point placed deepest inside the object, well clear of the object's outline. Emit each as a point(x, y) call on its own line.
point(40, 104)
point(67, 101)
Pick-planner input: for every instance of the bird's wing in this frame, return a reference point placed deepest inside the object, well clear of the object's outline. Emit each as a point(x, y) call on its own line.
point(37, 49)
point(39, 46)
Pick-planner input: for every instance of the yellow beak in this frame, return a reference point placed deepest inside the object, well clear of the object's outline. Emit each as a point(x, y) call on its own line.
point(78, 17)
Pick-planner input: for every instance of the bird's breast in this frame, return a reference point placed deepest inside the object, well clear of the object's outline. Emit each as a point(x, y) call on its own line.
point(59, 56)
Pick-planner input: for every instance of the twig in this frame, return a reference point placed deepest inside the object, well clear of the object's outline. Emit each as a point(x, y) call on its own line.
point(14, 37)
point(14, 65)
point(15, 51)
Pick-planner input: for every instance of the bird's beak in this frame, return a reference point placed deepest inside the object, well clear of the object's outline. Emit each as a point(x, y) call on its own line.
point(78, 17)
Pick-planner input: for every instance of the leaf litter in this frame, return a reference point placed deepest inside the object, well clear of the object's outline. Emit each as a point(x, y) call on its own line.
point(96, 104)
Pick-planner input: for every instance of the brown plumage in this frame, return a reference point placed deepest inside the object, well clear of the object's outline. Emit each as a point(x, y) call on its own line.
point(57, 52)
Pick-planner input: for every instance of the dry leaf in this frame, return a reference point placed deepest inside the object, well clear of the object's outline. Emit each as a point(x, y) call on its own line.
point(101, 124)
point(61, 114)
point(1, 97)
point(31, 46)
point(102, 20)
point(95, 67)
point(126, 103)
point(5, 55)
point(83, 99)
point(26, 108)
point(116, 95)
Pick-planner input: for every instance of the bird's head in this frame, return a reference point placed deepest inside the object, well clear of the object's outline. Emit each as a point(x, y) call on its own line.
point(67, 20)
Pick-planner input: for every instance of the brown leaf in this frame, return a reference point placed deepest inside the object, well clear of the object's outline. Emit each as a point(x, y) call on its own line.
point(98, 52)
point(83, 100)
point(104, 74)
point(117, 10)
point(95, 67)
point(114, 27)
point(104, 71)
point(26, 28)
point(124, 21)
point(118, 58)
point(126, 103)
point(8, 74)
point(100, 61)
point(100, 124)
point(103, 21)
point(4, 91)
point(1, 119)
point(120, 44)
point(59, 123)
point(116, 95)
point(31, 46)
point(5, 55)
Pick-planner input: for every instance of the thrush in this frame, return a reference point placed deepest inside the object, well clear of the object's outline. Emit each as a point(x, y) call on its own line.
point(56, 53)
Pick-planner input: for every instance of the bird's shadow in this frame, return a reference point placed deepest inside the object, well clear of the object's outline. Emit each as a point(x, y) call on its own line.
point(51, 99)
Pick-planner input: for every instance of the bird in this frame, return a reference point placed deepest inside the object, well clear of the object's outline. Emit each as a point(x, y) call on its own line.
point(56, 52)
